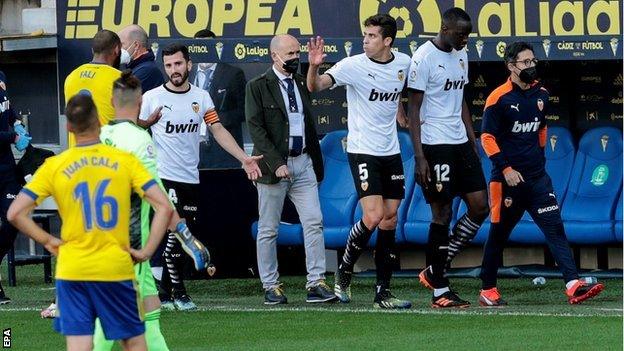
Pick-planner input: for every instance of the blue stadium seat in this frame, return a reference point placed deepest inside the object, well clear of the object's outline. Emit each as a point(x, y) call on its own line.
point(416, 227)
point(618, 220)
point(288, 234)
point(337, 193)
point(595, 184)
point(560, 153)
point(483, 232)
point(407, 155)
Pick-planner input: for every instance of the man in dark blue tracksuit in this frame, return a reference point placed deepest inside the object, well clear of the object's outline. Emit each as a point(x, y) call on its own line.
point(513, 137)
point(9, 187)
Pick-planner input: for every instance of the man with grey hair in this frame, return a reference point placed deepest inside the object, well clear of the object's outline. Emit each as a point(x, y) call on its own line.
point(138, 57)
point(277, 109)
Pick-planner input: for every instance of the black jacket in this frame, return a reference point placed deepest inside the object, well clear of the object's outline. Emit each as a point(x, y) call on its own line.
point(227, 92)
point(267, 120)
point(146, 69)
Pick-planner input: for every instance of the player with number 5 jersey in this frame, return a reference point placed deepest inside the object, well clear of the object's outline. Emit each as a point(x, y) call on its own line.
point(92, 184)
point(375, 80)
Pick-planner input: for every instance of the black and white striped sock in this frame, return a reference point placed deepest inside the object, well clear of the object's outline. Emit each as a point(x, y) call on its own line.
point(462, 234)
point(357, 241)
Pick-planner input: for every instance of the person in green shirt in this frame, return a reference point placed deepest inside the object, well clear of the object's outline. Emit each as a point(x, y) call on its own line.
point(125, 134)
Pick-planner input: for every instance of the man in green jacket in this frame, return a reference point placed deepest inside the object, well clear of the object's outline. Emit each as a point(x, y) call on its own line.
point(277, 109)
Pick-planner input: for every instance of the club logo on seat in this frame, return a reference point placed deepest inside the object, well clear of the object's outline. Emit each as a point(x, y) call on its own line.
point(553, 142)
point(604, 141)
point(508, 201)
point(600, 175)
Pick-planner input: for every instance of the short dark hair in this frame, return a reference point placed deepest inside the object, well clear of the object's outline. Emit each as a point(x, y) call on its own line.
point(512, 50)
point(105, 41)
point(454, 15)
point(386, 22)
point(204, 33)
point(81, 112)
point(171, 49)
point(126, 88)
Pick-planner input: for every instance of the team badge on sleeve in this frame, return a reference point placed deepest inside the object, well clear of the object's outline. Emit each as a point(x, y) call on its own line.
point(195, 107)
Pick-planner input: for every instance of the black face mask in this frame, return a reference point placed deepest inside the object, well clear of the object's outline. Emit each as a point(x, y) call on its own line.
point(528, 75)
point(291, 66)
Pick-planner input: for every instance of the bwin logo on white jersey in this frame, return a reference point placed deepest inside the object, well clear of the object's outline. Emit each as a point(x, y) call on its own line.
point(526, 127)
point(181, 128)
point(384, 96)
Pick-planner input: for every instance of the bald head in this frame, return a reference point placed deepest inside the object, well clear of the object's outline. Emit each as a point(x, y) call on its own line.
point(134, 40)
point(283, 48)
point(281, 40)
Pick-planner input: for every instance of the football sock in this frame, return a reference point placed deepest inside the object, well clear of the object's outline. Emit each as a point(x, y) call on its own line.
point(357, 241)
point(385, 256)
point(173, 260)
point(463, 232)
point(153, 336)
point(436, 252)
point(439, 292)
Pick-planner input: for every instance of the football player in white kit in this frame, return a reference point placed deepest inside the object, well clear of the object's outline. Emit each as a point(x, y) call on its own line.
point(447, 162)
point(176, 136)
point(374, 81)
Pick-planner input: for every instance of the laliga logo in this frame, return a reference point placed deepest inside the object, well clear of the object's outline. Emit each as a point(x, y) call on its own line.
point(241, 51)
point(500, 49)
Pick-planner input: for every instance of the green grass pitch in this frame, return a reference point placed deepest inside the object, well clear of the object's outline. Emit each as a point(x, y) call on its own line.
point(232, 317)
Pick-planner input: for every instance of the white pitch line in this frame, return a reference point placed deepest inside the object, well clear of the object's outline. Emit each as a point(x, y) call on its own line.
point(478, 311)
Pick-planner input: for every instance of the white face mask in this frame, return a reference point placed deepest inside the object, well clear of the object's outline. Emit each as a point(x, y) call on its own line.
point(125, 57)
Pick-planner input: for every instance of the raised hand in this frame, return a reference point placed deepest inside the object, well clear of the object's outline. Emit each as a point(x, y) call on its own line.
point(316, 48)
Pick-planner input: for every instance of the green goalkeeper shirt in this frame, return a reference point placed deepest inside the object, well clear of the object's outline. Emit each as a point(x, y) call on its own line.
point(127, 136)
